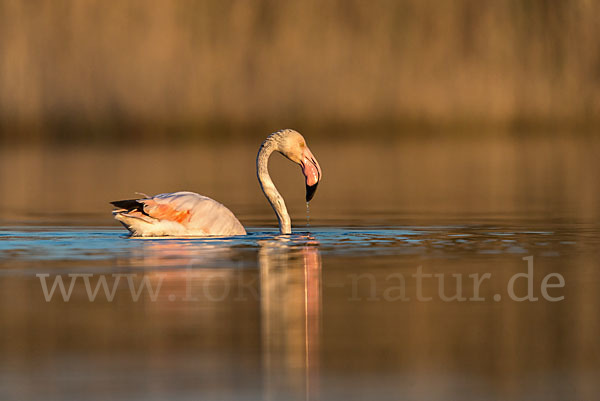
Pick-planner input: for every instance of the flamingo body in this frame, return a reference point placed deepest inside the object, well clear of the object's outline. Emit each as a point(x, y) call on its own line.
point(177, 214)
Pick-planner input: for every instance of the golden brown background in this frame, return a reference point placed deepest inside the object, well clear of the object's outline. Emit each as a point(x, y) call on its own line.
point(92, 68)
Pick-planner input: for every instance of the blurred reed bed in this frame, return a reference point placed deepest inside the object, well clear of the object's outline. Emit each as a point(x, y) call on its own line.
point(90, 68)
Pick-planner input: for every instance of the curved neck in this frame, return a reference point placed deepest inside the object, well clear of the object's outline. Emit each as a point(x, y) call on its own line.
point(268, 188)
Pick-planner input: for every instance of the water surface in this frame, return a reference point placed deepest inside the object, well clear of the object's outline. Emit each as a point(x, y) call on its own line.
point(333, 311)
point(277, 317)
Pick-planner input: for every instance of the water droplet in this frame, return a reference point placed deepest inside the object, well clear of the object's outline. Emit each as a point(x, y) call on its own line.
point(307, 215)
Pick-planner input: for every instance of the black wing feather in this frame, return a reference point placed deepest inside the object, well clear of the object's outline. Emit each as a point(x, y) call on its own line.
point(129, 204)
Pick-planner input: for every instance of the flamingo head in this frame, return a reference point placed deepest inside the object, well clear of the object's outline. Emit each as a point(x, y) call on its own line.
point(293, 146)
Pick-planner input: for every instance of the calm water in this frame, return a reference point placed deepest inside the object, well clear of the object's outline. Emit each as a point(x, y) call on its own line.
point(362, 304)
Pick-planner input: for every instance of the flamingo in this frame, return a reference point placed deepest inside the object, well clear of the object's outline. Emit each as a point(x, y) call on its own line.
point(188, 214)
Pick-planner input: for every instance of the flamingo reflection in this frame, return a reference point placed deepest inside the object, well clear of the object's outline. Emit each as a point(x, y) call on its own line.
point(290, 297)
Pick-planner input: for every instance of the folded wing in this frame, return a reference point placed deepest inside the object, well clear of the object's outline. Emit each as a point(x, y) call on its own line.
point(177, 214)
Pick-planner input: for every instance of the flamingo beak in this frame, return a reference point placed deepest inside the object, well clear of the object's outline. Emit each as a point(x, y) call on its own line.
point(312, 172)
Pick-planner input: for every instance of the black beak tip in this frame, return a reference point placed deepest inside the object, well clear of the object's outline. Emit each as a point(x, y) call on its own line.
point(310, 191)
